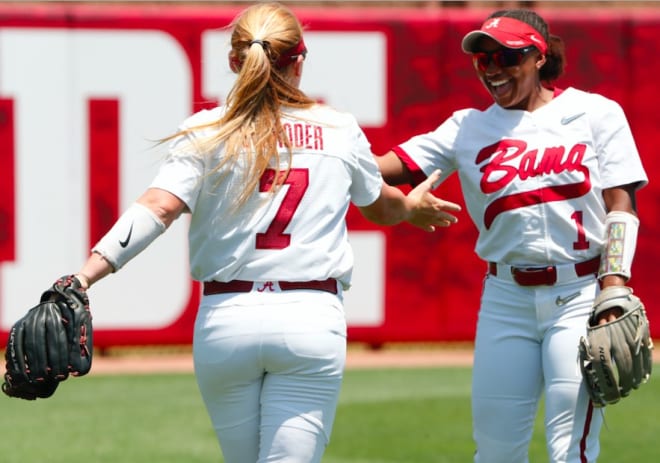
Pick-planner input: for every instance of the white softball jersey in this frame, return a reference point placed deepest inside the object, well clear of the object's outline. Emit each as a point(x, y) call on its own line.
point(533, 181)
point(296, 234)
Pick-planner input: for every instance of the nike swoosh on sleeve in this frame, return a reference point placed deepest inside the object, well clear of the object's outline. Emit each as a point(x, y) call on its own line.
point(124, 243)
point(568, 119)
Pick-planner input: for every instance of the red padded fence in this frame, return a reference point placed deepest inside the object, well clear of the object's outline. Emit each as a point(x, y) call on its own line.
point(82, 87)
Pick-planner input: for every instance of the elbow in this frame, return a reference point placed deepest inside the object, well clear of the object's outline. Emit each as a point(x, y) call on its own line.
point(164, 205)
point(167, 216)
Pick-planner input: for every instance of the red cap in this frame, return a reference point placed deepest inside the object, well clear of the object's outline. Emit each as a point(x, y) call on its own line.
point(509, 32)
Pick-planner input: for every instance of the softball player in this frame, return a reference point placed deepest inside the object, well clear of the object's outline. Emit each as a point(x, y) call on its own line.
point(268, 179)
point(549, 179)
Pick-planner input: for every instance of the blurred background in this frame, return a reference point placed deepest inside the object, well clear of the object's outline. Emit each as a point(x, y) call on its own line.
point(87, 87)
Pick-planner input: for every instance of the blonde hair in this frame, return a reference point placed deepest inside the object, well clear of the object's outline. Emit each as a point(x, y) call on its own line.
point(262, 41)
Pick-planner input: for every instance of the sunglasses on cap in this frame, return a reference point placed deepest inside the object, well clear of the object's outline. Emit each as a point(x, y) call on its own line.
point(503, 57)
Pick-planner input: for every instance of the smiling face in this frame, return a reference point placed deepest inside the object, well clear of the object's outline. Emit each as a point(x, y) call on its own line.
point(514, 86)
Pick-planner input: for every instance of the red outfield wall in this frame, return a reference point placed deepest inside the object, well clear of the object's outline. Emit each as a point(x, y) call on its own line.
point(84, 90)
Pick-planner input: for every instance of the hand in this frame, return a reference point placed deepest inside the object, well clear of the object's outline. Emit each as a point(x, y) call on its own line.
point(428, 211)
point(609, 315)
point(612, 314)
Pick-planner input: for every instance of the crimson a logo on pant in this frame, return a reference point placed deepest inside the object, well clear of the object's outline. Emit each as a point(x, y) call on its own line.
point(268, 285)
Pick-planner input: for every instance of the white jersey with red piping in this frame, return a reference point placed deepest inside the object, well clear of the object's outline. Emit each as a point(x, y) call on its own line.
point(296, 234)
point(533, 181)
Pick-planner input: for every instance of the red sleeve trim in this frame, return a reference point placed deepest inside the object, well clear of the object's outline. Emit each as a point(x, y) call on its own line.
point(418, 174)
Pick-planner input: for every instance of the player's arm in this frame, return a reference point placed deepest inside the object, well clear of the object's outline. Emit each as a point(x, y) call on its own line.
point(394, 171)
point(137, 228)
point(419, 208)
point(622, 217)
point(621, 198)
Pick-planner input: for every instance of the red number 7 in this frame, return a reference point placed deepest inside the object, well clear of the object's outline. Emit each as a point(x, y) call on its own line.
point(297, 181)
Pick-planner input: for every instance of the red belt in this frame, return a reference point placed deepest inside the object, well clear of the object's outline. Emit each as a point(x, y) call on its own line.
point(242, 286)
point(536, 276)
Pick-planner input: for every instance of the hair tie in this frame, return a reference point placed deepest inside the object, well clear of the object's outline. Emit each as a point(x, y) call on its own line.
point(264, 44)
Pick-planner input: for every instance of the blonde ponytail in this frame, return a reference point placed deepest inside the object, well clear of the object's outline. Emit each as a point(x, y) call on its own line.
point(266, 39)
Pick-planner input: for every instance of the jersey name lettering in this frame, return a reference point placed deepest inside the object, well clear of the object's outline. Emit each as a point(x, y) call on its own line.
point(498, 173)
point(306, 136)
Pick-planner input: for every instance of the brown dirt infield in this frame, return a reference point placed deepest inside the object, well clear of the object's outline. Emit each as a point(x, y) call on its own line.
point(179, 360)
point(404, 355)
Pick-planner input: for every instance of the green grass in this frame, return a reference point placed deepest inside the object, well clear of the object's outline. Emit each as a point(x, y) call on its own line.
point(384, 416)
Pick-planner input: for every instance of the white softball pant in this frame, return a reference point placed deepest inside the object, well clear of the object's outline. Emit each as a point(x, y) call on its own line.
point(527, 346)
point(269, 367)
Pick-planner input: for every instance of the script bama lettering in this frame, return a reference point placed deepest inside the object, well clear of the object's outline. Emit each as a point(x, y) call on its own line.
point(499, 172)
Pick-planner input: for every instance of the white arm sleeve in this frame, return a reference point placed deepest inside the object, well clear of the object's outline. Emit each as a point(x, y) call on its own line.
point(130, 235)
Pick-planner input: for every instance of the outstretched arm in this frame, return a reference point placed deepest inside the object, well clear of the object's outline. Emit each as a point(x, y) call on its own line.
point(136, 229)
point(419, 208)
point(394, 171)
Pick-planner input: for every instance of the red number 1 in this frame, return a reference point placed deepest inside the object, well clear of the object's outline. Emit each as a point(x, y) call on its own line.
point(582, 242)
point(297, 181)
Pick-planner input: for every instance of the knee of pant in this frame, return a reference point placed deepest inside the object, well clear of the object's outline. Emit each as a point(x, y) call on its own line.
point(238, 448)
point(492, 450)
point(317, 422)
point(294, 445)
